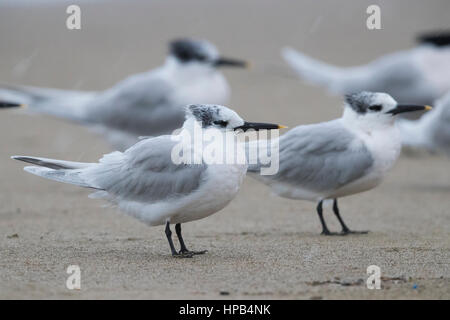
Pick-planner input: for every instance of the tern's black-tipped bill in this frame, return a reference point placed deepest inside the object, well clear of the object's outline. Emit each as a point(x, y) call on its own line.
point(4, 105)
point(401, 108)
point(228, 62)
point(259, 126)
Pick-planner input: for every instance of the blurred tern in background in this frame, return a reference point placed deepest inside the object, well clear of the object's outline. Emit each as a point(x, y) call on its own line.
point(145, 104)
point(333, 159)
point(144, 181)
point(432, 131)
point(419, 75)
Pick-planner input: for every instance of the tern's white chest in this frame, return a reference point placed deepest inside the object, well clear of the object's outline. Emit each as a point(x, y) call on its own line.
point(385, 147)
point(222, 184)
point(225, 181)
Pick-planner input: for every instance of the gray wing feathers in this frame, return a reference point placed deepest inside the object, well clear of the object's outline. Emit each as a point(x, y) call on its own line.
point(70, 176)
point(397, 74)
point(58, 170)
point(28, 94)
point(312, 70)
point(52, 163)
point(321, 157)
point(141, 104)
point(146, 172)
point(66, 104)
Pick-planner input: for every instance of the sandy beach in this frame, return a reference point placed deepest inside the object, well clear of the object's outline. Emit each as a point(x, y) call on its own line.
point(260, 246)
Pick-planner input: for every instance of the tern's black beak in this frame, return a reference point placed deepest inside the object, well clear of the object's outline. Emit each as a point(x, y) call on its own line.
point(259, 126)
point(401, 108)
point(228, 62)
point(5, 105)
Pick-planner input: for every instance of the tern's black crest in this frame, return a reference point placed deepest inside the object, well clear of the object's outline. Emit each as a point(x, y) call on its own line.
point(361, 101)
point(188, 50)
point(438, 38)
point(206, 114)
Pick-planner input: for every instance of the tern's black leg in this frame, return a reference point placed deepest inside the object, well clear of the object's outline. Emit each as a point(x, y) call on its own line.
point(169, 238)
point(180, 237)
point(325, 230)
point(345, 229)
point(172, 247)
point(183, 249)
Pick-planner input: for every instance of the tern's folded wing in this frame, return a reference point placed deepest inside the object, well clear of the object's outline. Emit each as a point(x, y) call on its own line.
point(141, 104)
point(321, 157)
point(146, 172)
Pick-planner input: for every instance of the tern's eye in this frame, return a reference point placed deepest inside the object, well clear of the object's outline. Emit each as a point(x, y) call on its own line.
point(200, 57)
point(376, 107)
point(221, 123)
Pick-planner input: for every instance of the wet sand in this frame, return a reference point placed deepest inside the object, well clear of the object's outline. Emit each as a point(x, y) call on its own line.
point(260, 246)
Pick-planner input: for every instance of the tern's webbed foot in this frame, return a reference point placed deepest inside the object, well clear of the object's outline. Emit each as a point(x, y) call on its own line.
point(193, 253)
point(347, 232)
point(183, 255)
point(329, 233)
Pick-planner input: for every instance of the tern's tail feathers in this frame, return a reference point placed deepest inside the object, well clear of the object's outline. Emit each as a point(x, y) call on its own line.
point(27, 95)
point(312, 70)
point(58, 170)
point(61, 103)
point(53, 163)
point(335, 79)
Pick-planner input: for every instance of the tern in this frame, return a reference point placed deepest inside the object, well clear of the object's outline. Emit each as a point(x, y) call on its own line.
point(144, 104)
point(145, 182)
point(345, 156)
point(419, 75)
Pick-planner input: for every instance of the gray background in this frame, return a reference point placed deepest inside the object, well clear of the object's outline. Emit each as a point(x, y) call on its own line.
point(260, 246)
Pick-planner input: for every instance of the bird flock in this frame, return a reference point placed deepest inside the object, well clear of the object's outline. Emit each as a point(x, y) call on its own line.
point(148, 115)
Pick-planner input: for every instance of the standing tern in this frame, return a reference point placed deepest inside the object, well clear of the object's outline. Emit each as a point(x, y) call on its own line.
point(419, 75)
point(329, 160)
point(145, 182)
point(145, 104)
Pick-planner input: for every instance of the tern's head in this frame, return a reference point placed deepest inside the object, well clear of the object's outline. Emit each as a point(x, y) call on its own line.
point(222, 118)
point(376, 107)
point(187, 52)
